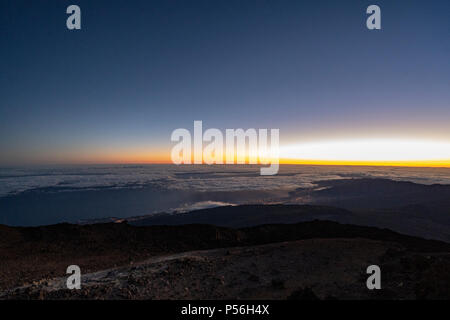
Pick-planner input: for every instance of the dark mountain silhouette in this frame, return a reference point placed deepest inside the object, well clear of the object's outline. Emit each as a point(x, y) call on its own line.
point(245, 215)
point(375, 194)
point(411, 208)
point(33, 256)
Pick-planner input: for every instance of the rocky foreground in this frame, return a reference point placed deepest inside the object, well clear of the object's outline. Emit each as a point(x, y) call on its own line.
point(308, 260)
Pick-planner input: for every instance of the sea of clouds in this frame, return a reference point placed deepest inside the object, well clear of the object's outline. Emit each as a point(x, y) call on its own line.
point(199, 178)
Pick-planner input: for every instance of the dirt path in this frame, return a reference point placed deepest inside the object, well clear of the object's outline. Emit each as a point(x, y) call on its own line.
point(329, 267)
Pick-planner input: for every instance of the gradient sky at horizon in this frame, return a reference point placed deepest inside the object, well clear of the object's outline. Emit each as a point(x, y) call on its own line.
point(115, 90)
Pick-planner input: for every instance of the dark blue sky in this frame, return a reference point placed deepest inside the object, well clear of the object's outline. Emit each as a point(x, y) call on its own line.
point(139, 69)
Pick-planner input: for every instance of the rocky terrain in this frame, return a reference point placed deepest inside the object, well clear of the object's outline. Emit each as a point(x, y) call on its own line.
point(308, 260)
point(304, 269)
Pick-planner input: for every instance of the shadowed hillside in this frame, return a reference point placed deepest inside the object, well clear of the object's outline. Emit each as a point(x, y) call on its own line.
point(37, 253)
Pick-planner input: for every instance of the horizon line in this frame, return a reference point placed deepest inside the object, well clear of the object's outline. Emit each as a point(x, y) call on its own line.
point(445, 164)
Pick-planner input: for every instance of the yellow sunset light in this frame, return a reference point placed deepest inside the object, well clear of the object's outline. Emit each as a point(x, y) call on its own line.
point(369, 150)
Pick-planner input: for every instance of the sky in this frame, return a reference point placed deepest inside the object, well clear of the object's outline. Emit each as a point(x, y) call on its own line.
point(137, 70)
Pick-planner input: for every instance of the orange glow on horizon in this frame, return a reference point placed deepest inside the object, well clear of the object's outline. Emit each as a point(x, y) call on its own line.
point(166, 160)
point(328, 156)
point(423, 164)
